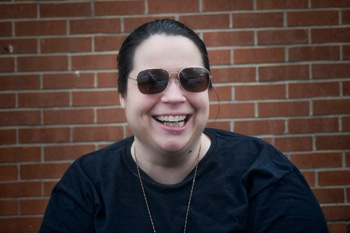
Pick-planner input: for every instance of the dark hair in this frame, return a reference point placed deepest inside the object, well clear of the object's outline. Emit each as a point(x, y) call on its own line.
point(164, 26)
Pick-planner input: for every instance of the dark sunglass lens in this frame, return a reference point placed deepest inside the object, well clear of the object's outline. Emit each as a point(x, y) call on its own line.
point(152, 81)
point(194, 79)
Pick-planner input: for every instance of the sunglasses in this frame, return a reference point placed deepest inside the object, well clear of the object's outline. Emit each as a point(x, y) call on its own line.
point(154, 81)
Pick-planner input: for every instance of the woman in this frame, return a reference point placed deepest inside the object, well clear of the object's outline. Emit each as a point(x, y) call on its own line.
point(174, 175)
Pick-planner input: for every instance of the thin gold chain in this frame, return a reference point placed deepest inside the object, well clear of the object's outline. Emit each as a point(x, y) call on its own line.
point(189, 200)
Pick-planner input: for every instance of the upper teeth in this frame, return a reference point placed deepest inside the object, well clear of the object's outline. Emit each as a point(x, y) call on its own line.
point(171, 118)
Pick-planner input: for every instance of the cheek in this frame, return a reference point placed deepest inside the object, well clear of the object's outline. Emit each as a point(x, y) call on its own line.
point(201, 102)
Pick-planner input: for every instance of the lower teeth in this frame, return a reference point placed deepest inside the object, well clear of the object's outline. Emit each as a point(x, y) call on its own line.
point(175, 124)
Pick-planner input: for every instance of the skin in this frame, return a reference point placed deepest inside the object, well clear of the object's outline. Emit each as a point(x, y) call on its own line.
point(167, 153)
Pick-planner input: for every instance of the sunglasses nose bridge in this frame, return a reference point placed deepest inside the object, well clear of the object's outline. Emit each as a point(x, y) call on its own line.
point(177, 78)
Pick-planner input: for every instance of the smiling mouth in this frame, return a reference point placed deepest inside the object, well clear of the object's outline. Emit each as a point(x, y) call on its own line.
point(174, 121)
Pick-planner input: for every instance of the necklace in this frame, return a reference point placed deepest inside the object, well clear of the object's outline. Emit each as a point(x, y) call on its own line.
point(189, 200)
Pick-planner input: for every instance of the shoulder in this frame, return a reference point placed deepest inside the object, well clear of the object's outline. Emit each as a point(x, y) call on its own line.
point(238, 145)
point(257, 163)
point(92, 166)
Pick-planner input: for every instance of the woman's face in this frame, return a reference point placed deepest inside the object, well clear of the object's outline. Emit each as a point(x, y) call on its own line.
point(145, 113)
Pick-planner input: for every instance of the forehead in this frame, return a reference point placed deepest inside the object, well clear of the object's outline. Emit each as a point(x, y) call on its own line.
point(162, 51)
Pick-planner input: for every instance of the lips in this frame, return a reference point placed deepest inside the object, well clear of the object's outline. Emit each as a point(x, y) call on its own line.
point(174, 121)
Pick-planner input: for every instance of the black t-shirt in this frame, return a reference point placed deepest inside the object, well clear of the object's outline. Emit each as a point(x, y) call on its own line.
point(243, 184)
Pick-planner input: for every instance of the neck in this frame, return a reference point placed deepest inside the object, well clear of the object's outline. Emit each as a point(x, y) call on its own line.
point(169, 168)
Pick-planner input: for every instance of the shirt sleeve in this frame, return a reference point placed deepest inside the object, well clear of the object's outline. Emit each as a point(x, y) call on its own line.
point(288, 206)
point(72, 204)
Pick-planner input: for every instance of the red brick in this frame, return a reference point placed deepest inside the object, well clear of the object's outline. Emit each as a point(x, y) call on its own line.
point(259, 127)
point(18, 11)
point(19, 82)
point(167, 6)
point(8, 172)
point(119, 7)
point(110, 115)
point(5, 29)
point(348, 194)
point(42, 63)
point(333, 142)
point(40, 27)
point(329, 3)
point(258, 92)
point(244, 20)
point(46, 170)
point(40, 135)
point(346, 124)
point(313, 125)
point(334, 177)
point(232, 110)
point(274, 109)
point(310, 177)
point(317, 160)
point(15, 46)
point(34, 206)
point(228, 38)
point(337, 227)
point(287, 144)
point(43, 99)
point(66, 152)
point(224, 125)
point(219, 57)
point(20, 224)
point(346, 52)
point(7, 100)
point(313, 89)
point(20, 189)
point(220, 93)
point(233, 74)
point(314, 53)
point(227, 5)
point(68, 80)
point(131, 24)
point(7, 136)
point(284, 72)
point(326, 35)
point(108, 43)
point(277, 4)
point(20, 154)
point(310, 18)
point(74, 9)
point(20, 118)
point(48, 186)
point(68, 116)
point(107, 79)
point(332, 195)
point(7, 64)
point(97, 25)
point(91, 98)
point(62, 45)
point(91, 62)
point(338, 70)
point(346, 88)
point(206, 21)
point(346, 16)
point(8, 207)
point(332, 106)
point(290, 36)
point(97, 133)
point(258, 55)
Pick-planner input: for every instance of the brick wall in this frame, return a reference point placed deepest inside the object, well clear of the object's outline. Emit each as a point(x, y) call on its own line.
point(281, 69)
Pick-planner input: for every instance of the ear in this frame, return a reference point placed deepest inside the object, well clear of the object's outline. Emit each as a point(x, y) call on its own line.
point(122, 100)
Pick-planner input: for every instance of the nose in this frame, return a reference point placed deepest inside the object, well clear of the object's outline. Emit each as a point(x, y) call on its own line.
point(174, 92)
